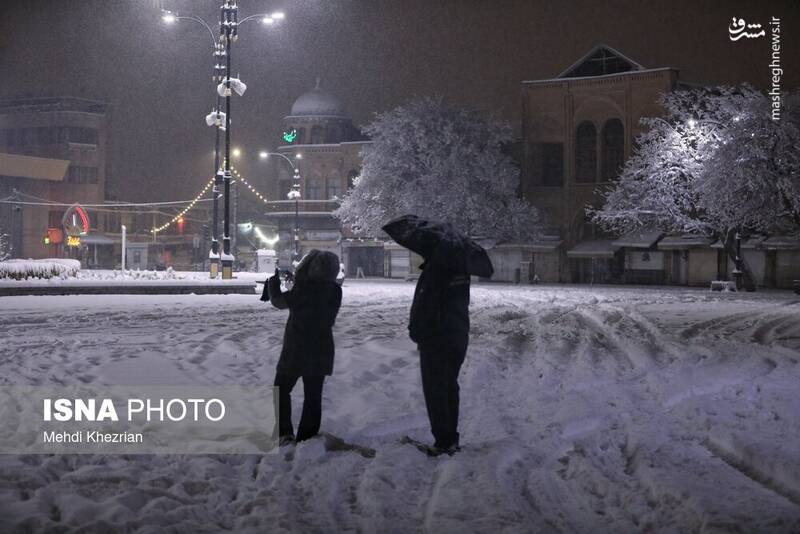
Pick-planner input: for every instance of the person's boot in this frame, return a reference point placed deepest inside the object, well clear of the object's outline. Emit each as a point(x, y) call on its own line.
point(286, 439)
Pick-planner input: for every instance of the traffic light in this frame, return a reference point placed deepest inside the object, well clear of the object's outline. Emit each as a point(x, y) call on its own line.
point(46, 239)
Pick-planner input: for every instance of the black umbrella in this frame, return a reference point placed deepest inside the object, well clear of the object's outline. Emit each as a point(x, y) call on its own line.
point(440, 243)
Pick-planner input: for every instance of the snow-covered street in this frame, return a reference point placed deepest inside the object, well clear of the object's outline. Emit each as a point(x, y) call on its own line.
point(613, 409)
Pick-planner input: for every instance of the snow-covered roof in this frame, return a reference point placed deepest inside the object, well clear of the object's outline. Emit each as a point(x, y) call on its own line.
point(318, 102)
point(679, 242)
point(629, 73)
point(642, 239)
point(601, 248)
point(750, 242)
point(93, 238)
point(782, 242)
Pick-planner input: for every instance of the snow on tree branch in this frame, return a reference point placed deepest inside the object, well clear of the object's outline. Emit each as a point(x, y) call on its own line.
point(716, 161)
point(439, 162)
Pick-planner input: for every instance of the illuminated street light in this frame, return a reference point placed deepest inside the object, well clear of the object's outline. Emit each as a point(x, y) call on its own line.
point(229, 24)
point(263, 155)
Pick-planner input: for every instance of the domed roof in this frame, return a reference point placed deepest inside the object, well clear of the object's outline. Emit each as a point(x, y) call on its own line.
point(317, 102)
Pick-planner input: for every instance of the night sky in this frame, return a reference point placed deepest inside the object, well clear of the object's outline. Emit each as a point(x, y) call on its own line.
point(373, 54)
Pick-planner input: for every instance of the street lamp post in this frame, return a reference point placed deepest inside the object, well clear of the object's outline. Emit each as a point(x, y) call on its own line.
point(293, 194)
point(228, 32)
point(212, 119)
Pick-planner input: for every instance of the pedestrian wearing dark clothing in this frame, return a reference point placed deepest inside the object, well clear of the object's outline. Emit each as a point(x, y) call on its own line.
point(439, 324)
point(308, 349)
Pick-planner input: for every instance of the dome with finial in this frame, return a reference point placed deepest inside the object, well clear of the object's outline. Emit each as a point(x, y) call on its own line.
point(318, 102)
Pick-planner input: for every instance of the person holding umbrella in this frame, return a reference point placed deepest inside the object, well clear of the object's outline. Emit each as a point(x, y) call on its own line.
point(439, 320)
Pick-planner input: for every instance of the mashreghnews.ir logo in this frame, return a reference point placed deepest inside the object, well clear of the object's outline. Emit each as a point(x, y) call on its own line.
point(739, 29)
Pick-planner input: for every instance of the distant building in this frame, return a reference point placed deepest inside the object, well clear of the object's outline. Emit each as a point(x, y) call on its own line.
point(320, 130)
point(52, 150)
point(578, 130)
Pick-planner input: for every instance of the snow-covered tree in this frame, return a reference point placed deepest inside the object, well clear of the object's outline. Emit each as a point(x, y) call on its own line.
point(439, 162)
point(715, 164)
point(5, 246)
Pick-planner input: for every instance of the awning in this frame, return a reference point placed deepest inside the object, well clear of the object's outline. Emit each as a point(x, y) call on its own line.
point(749, 243)
point(546, 245)
point(602, 248)
point(643, 239)
point(678, 242)
point(96, 239)
point(33, 168)
point(782, 242)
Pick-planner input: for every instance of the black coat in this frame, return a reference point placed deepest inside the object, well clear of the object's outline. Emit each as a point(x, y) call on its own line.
point(440, 311)
point(308, 339)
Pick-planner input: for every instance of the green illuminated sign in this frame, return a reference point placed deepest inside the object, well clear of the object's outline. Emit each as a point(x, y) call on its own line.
point(290, 135)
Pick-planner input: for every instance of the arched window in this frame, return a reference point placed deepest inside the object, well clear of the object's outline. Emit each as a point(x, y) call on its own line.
point(586, 153)
point(351, 177)
point(314, 188)
point(333, 134)
point(613, 149)
point(334, 183)
point(317, 135)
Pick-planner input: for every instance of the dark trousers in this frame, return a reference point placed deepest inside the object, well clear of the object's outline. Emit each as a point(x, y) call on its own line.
point(312, 405)
point(440, 365)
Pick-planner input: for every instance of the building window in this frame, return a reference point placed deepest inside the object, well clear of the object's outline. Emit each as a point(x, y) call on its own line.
point(54, 218)
point(317, 135)
point(314, 188)
point(46, 135)
point(334, 186)
point(586, 153)
point(82, 135)
point(547, 163)
point(81, 175)
point(613, 149)
point(22, 135)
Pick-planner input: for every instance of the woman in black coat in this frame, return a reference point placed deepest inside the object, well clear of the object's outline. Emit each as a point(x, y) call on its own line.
point(313, 304)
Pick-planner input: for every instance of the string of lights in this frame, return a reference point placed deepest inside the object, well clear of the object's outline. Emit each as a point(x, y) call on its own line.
point(185, 210)
point(199, 197)
point(250, 187)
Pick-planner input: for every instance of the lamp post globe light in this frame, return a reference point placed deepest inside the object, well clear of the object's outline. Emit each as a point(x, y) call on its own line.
point(228, 32)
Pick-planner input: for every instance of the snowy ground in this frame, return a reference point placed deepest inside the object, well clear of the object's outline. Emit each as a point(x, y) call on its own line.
point(118, 277)
point(583, 410)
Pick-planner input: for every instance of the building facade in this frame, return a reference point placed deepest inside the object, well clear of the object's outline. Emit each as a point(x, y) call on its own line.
point(578, 130)
point(52, 151)
point(320, 139)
